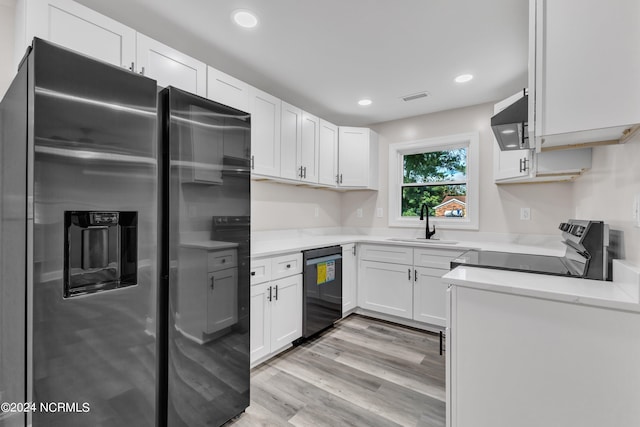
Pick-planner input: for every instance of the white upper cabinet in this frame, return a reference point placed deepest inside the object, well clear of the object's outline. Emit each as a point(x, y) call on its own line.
point(76, 27)
point(583, 71)
point(265, 133)
point(227, 90)
point(357, 158)
point(170, 67)
point(328, 154)
point(309, 147)
point(290, 137)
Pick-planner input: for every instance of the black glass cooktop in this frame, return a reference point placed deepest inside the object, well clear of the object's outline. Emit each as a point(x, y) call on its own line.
point(527, 263)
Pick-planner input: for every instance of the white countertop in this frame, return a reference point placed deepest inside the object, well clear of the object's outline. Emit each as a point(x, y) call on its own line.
point(270, 247)
point(618, 294)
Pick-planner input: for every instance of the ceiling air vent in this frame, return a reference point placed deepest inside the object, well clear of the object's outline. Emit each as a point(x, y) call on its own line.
point(415, 96)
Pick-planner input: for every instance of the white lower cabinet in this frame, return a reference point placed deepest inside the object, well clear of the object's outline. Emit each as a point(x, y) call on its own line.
point(515, 360)
point(276, 304)
point(349, 278)
point(387, 288)
point(430, 296)
point(405, 282)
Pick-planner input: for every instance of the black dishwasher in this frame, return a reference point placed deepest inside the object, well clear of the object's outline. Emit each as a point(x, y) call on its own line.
point(322, 289)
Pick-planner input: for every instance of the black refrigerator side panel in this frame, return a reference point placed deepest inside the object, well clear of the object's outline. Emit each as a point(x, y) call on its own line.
point(208, 352)
point(94, 242)
point(13, 246)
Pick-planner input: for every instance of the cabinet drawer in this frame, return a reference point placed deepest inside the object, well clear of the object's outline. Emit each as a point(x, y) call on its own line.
point(260, 270)
point(383, 253)
point(217, 260)
point(434, 258)
point(286, 265)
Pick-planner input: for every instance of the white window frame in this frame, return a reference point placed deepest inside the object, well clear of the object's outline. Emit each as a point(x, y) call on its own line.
point(470, 141)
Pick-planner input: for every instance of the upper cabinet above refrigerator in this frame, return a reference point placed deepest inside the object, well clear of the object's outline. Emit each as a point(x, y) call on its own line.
point(583, 72)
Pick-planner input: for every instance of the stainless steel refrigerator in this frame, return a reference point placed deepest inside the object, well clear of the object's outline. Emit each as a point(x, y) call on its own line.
point(85, 244)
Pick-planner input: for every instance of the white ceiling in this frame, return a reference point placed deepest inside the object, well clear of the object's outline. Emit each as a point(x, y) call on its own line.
point(325, 55)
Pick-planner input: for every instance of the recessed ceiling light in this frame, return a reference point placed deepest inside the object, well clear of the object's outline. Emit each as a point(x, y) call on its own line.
point(364, 102)
point(508, 131)
point(511, 145)
point(244, 18)
point(463, 78)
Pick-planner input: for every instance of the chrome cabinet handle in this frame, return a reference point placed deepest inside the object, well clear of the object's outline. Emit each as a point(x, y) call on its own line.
point(523, 164)
point(253, 162)
point(354, 250)
point(276, 295)
point(337, 178)
point(409, 272)
point(269, 297)
point(212, 282)
point(300, 172)
point(415, 275)
point(132, 66)
point(340, 178)
point(305, 171)
point(142, 71)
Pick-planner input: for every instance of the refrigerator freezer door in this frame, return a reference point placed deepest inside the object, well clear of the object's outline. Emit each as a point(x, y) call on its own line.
point(94, 149)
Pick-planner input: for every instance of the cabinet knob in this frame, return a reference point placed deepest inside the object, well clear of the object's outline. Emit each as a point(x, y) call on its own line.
point(224, 260)
point(253, 273)
point(288, 265)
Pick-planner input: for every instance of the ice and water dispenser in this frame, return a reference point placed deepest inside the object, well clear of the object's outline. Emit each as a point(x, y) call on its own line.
point(101, 251)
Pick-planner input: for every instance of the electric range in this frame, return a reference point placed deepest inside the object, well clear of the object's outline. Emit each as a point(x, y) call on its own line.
point(586, 254)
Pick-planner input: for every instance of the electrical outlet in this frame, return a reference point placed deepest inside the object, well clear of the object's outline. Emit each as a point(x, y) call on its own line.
point(525, 214)
point(359, 212)
point(379, 212)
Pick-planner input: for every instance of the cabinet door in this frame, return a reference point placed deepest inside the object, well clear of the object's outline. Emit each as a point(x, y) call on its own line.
point(586, 79)
point(260, 321)
point(430, 296)
point(510, 164)
point(349, 278)
point(286, 311)
point(227, 90)
point(79, 28)
point(265, 133)
point(328, 154)
point(386, 288)
point(353, 157)
point(170, 67)
point(290, 135)
point(222, 299)
point(310, 147)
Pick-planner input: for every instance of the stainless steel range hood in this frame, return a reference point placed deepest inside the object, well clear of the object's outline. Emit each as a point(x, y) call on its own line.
point(510, 125)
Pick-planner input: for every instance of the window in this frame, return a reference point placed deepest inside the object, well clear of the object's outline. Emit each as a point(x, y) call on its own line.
point(438, 173)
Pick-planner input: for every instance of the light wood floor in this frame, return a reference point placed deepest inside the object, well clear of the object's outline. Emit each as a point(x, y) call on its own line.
point(362, 372)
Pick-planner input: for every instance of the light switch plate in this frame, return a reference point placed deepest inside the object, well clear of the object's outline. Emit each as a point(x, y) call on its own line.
point(359, 212)
point(525, 214)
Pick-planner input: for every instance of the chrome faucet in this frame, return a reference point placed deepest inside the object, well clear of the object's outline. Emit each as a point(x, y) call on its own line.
point(427, 233)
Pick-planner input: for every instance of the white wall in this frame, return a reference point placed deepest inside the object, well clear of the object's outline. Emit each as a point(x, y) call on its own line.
point(499, 205)
point(282, 206)
point(7, 11)
point(607, 192)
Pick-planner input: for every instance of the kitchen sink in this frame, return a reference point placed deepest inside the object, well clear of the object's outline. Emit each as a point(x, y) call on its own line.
point(423, 240)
